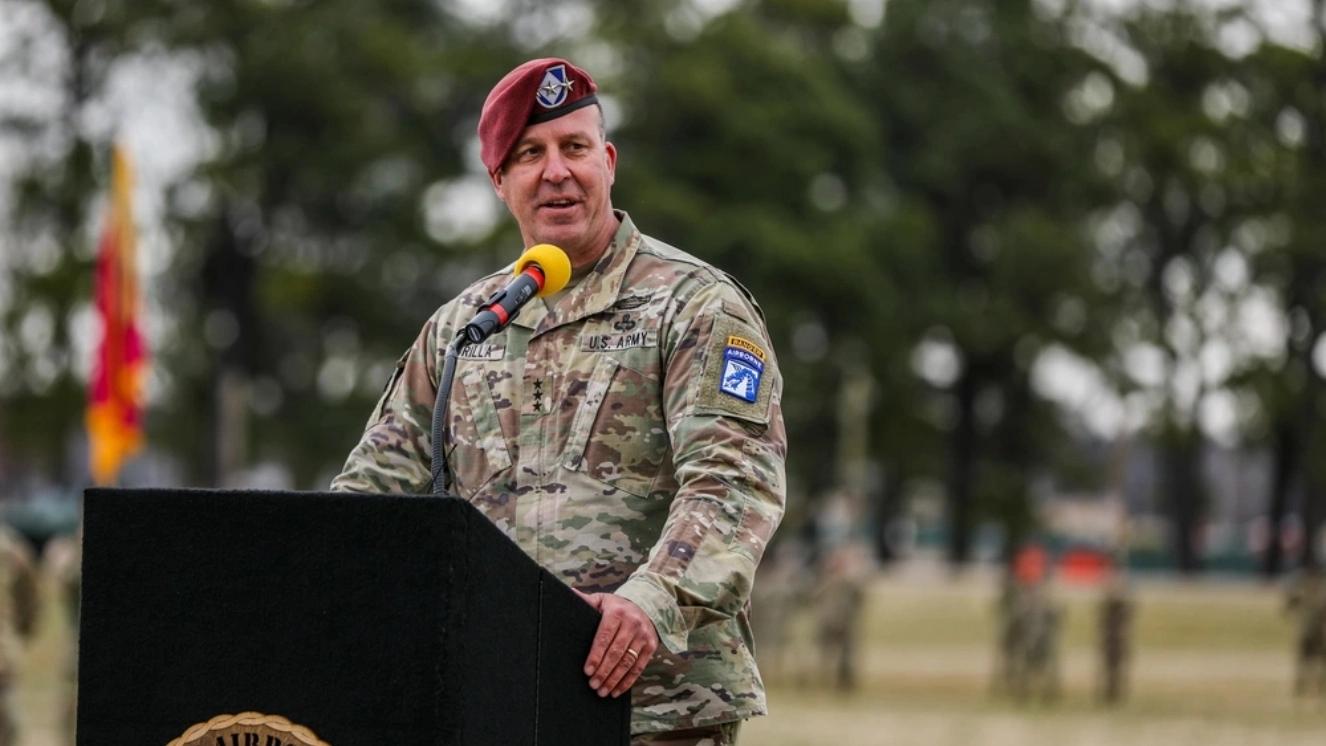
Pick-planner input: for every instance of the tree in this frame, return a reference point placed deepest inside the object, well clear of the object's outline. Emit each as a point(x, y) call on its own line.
point(982, 155)
point(1182, 188)
point(1286, 122)
point(742, 142)
point(302, 264)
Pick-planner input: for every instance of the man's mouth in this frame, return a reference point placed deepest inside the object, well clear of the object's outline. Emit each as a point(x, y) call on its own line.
point(559, 204)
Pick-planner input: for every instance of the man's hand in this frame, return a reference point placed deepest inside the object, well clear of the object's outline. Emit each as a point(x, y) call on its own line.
point(625, 642)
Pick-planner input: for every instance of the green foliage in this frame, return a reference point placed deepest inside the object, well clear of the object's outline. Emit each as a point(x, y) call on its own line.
point(965, 177)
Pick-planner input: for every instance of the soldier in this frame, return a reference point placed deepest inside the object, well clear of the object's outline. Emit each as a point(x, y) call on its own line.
point(780, 595)
point(839, 599)
point(1306, 600)
point(1036, 670)
point(1041, 643)
point(18, 614)
point(1027, 641)
point(1008, 634)
point(1114, 624)
point(626, 433)
point(63, 562)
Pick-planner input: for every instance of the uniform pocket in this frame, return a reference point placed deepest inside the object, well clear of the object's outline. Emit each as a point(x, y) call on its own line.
point(617, 435)
point(478, 446)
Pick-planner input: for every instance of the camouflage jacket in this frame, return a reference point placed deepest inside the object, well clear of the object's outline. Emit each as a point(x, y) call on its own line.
point(629, 437)
point(18, 600)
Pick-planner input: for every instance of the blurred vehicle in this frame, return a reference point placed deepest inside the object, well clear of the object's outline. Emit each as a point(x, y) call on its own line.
point(42, 515)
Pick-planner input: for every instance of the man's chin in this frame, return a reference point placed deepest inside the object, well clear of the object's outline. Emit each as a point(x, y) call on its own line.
point(560, 236)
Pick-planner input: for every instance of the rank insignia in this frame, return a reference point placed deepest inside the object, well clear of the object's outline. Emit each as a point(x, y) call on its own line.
point(554, 87)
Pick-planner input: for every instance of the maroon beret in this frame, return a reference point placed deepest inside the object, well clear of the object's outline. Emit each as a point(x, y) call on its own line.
point(537, 91)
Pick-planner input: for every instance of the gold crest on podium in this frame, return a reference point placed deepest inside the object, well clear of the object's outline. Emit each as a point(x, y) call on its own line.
point(248, 729)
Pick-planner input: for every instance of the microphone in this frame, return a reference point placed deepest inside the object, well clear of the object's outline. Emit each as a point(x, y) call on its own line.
point(542, 270)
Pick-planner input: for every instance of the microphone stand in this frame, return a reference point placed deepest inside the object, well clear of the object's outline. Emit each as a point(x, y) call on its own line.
point(441, 484)
point(496, 313)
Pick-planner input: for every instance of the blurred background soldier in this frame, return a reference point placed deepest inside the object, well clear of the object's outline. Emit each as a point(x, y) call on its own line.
point(1007, 632)
point(63, 562)
point(18, 612)
point(1028, 631)
point(1037, 672)
point(1306, 600)
point(839, 597)
point(1114, 623)
point(844, 563)
point(779, 598)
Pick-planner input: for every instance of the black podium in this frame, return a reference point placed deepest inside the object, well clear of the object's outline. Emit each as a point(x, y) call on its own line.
point(325, 618)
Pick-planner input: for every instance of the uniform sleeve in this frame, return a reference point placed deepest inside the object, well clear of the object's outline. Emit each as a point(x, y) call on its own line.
point(394, 455)
point(722, 395)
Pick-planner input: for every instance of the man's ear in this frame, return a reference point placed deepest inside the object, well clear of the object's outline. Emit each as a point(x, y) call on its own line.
point(496, 178)
point(611, 152)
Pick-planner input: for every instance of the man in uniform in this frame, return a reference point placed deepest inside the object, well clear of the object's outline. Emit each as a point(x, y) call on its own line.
point(1036, 657)
point(1307, 601)
point(1114, 622)
point(626, 433)
point(18, 614)
point(63, 561)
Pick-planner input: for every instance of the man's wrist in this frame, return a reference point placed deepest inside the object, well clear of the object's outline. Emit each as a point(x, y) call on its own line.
point(659, 605)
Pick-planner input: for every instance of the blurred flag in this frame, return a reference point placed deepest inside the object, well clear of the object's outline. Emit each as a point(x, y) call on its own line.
point(114, 413)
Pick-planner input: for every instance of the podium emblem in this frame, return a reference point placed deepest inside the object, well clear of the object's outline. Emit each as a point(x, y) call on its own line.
point(245, 729)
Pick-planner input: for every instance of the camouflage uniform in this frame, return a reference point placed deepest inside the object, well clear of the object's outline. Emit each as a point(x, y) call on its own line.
point(1008, 632)
point(63, 561)
point(839, 600)
point(1307, 600)
point(1114, 622)
point(606, 434)
point(1038, 655)
point(18, 613)
point(1027, 659)
point(724, 734)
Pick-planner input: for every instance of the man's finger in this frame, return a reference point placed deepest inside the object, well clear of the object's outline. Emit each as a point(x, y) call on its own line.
point(616, 662)
point(633, 675)
point(633, 660)
point(606, 633)
point(593, 599)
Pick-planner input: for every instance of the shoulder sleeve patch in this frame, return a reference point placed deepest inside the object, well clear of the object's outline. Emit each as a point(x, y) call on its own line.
point(738, 372)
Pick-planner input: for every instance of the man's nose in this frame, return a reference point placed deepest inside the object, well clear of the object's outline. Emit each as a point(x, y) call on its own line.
point(554, 168)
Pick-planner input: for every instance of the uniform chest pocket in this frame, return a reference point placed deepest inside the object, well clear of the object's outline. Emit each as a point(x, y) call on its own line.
point(478, 447)
point(618, 435)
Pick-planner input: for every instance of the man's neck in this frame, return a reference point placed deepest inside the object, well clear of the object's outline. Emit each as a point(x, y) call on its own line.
point(583, 263)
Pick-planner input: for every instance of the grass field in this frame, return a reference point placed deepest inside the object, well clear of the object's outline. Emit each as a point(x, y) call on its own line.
point(1212, 667)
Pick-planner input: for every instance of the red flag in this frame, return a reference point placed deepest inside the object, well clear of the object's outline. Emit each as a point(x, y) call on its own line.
point(114, 413)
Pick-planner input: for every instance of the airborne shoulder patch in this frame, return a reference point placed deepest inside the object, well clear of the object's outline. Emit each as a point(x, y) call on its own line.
point(735, 363)
point(743, 366)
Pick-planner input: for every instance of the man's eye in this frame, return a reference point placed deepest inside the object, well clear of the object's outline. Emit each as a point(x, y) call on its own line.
point(526, 153)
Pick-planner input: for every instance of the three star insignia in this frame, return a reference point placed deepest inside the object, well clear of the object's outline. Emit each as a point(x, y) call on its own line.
point(552, 88)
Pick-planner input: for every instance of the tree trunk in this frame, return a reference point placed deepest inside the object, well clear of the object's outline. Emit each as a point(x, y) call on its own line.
point(1183, 492)
point(1311, 509)
point(228, 281)
point(961, 469)
point(1282, 477)
point(1016, 451)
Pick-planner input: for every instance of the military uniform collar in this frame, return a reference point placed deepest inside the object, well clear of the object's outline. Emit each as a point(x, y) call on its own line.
point(596, 293)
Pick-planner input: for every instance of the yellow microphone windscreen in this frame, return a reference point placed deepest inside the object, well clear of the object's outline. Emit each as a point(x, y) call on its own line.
point(553, 261)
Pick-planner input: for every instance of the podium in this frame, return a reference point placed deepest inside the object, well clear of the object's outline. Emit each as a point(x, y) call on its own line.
point(295, 619)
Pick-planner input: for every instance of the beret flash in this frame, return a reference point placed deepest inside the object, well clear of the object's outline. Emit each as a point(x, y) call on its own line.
point(537, 91)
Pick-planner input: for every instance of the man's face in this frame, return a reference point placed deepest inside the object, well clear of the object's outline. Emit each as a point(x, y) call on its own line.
point(557, 183)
